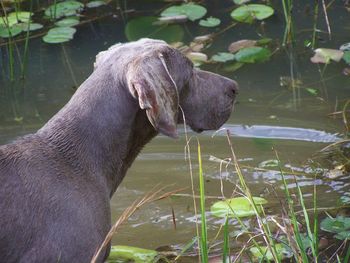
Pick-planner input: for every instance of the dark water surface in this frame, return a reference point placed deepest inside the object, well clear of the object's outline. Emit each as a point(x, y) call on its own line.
point(267, 114)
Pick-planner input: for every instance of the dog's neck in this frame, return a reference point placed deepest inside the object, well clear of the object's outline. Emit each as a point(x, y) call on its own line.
point(100, 131)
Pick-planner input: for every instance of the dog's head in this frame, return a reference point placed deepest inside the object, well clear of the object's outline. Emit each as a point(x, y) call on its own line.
point(164, 82)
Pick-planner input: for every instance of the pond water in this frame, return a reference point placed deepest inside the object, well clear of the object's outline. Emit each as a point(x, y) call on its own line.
point(267, 114)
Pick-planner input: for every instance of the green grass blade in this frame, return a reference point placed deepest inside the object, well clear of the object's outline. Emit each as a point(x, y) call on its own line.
point(203, 238)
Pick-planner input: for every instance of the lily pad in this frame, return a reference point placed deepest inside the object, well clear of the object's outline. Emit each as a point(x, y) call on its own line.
point(240, 2)
point(68, 22)
point(59, 35)
point(336, 225)
point(94, 4)
point(346, 57)
point(269, 163)
point(21, 16)
point(210, 22)
point(31, 26)
point(248, 13)
point(8, 21)
point(62, 9)
point(325, 55)
point(192, 11)
point(266, 254)
point(135, 254)
point(12, 31)
point(253, 55)
point(236, 207)
point(238, 45)
point(144, 27)
point(223, 57)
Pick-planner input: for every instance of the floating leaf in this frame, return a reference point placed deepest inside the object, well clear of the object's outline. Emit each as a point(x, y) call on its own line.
point(240, 2)
point(134, 254)
point(66, 8)
point(223, 57)
point(31, 26)
point(10, 22)
point(231, 67)
point(197, 57)
point(269, 163)
point(235, 46)
point(210, 22)
point(253, 55)
point(345, 47)
point(281, 250)
point(192, 11)
point(339, 225)
point(59, 35)
point(12, 31)
point(144, 27)
point(236, 207)
point(312, 91)
point(346, 57)
point(20, 16)
point(68, 22)
point(325, 55)
point(248, 13)
point(94, 4)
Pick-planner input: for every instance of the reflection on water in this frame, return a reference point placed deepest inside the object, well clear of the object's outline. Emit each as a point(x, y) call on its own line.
point(267, 115)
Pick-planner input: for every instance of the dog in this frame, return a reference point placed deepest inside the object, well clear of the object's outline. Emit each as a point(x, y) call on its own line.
point(56, 184)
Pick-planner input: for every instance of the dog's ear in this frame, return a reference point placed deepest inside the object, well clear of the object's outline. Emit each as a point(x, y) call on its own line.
point(150, 82)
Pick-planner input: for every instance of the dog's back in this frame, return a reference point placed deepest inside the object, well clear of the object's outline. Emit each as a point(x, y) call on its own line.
point(45, 207)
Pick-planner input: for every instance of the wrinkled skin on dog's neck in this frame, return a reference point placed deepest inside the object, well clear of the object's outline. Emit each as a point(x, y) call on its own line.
point(103, 138)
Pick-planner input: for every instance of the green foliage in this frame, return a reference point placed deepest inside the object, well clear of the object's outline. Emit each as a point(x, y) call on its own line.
point(210, 22)
point(62, 9)
point(68, 22)
point(346, 57)
point(264, 253)
point(192, 11)
point(237, 207)
point(94, 4)
point(145, 26)
point(223, 57)
point(135, 254)
point(248, 13)
point(59, 35)
point(339, 225)
point(253, 55)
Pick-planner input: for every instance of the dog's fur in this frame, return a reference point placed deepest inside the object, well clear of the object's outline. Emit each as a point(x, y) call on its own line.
point(56, 184)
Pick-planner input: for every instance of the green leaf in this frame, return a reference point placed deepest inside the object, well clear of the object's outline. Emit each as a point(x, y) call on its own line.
point(192, 11)
point(134, 254)
point(269, 163)
point(339, 225)
point(253, 55)
point(325, 55)
point(66, 8)
point(312, 91)
point(32, 26)
point(346, 57)
point(6, 32)
point(248, 13)
point(94, 4)
point(223, 57)
point(240, 2)
point(145, 26)
point(236, 207)
point(281, 250)
point(59, 35)
point(9, 21)
point(68, 22)
point(210, 22)
point(21, 16)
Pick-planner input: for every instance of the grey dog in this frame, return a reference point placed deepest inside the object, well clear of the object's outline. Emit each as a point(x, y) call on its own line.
point(56, 184)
